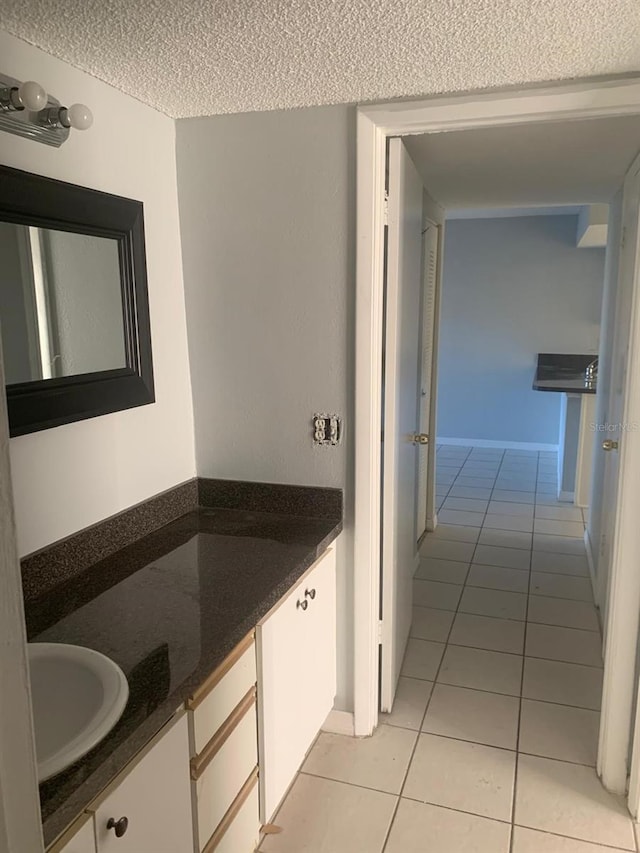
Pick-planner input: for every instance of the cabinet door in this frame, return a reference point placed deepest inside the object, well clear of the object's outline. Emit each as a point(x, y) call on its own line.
point(80, 838)
point(296, 678)
point(154, 797)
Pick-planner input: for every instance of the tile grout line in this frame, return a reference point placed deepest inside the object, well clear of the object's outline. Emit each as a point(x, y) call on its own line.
point(517, 751)
point(417, 738)
point(506, 589)
point(527, 622)
point(495, 692)
point(424, 715)
point(519, 727)
point(454, 479)
point(507, 548)
point(419, 732)
point(434, 684)
point(508, 619)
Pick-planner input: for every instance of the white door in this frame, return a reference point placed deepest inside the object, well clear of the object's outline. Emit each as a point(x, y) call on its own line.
point(427, 335)
point(401, 412)
point(620, 594)
point(617, 380)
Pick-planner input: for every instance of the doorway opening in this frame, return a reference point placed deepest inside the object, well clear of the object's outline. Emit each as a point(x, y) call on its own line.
point(506, 462)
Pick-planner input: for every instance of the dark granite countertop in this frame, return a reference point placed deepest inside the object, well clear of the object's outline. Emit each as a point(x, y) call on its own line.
point(562, 372)
point(168, 609)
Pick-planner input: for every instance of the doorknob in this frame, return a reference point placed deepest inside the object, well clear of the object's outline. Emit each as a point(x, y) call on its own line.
point(608, 444)
point(118, 826)
point(420, 438)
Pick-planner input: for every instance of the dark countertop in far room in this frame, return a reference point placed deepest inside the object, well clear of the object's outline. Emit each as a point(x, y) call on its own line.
point(564, 373)
point(168, 609)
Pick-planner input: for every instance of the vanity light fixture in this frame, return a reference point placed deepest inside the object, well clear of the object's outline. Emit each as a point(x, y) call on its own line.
point(27, 110)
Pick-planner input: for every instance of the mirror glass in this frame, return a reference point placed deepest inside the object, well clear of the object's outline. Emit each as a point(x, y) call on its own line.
point(61, 308)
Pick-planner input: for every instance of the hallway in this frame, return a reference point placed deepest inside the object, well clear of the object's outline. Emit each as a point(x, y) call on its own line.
point(491, 745)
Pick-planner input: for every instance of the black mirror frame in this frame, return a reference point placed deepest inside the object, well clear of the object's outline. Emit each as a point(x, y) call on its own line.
point(27, 199)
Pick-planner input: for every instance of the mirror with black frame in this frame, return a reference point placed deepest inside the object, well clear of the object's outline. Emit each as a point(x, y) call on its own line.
point(74, 314)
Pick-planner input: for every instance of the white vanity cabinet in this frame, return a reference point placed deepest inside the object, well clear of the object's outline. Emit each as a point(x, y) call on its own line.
point(296, 645)
point(79, 838)
point(196, 787)
point(147, 809)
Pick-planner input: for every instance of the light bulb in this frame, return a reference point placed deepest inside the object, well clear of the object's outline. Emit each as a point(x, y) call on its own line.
point(32, 96)
point(80, 117)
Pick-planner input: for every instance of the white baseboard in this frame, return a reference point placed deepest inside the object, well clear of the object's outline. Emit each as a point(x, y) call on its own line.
point(340, 723)
point(416, 564)
point(591, 563)
point(509, 445)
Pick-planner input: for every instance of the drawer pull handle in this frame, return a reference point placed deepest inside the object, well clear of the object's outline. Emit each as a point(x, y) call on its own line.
point(311, 593)
point(302, 605)
point(118, 826)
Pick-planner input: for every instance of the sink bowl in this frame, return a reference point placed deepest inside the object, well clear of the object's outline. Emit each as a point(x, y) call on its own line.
point(78, 695)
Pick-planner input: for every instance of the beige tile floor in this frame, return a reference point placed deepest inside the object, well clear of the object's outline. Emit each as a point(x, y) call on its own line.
point(491, 744)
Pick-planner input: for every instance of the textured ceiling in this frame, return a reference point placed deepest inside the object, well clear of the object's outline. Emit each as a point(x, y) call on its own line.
point(568, 162)
point(202, 57)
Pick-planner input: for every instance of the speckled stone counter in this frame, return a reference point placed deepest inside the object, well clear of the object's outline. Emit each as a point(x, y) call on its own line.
point(168, 608)
point(564, 373)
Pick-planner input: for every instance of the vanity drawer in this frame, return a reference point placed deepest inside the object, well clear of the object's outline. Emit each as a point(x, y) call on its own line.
point(212, 703)
point(220, 771)
point(239, 830)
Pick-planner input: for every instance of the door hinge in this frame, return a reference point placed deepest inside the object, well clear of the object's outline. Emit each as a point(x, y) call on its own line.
point(385, 207)
point(379, 632)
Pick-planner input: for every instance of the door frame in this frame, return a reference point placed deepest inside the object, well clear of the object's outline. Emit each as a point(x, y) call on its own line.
point(432, 512)
point(20, 823)
point(580, 100)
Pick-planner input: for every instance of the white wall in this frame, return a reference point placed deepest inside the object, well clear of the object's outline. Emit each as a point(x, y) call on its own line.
point(83, 275)
point(267, 214)
point(75, 475)
point(511, 288)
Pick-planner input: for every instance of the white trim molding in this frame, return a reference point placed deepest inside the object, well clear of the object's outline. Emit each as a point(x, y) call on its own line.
point(369, 299)
point(592, 565)
point(485, 442)
point(339, 723)
point(20, 824)
point(573, 101)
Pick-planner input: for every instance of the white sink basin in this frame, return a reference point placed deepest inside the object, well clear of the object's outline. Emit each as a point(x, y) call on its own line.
point(78, 696)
